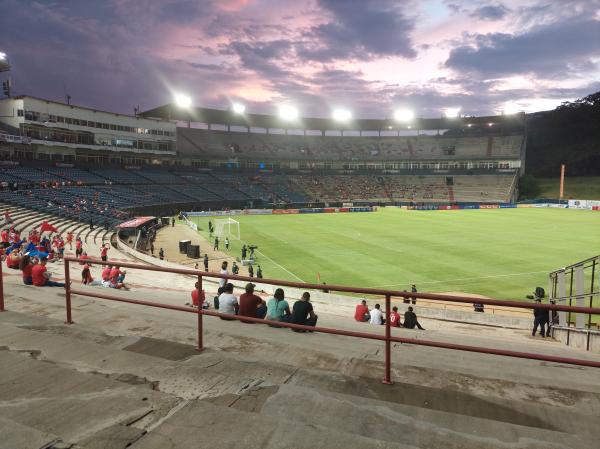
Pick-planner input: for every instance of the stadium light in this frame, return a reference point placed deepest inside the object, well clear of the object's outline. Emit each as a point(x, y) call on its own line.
point(341, 115)
point(451, 112)
point(182, 100)
point(238, 108)
point(287, 112)
point(403, 115)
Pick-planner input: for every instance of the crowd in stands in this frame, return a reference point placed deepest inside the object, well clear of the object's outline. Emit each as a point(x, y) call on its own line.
point(277, 146)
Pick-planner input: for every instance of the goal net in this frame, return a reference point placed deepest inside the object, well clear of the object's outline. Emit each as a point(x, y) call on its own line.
point(227, 227)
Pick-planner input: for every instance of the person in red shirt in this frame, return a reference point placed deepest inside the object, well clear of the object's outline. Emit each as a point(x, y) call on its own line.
point(104, 252)
point(5, 242)
point(78, 247)
point(13, 260)
point(198, 296)
point(86, 276)
point(251, 305)
point(395, 317)
point(362, 312)
point(70, 240)
point(26, 267)
point(41, 277)
point(117, 277)
point(106, 273)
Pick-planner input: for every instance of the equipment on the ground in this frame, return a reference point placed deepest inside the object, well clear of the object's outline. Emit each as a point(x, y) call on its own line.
point(227, 227)
point(183, 245)
point(193, 251)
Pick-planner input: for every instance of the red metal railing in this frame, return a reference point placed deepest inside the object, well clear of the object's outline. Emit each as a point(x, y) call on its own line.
point(387, 294)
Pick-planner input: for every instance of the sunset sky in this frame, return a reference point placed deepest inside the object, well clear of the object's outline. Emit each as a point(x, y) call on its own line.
point(370, 56)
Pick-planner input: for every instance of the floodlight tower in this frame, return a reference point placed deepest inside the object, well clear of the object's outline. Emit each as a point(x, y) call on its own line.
point(5, 67)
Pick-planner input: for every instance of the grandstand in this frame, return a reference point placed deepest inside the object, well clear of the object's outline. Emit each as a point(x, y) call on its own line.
point(57, 155)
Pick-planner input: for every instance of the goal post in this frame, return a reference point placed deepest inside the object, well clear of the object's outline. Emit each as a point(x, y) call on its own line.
point(227, 227)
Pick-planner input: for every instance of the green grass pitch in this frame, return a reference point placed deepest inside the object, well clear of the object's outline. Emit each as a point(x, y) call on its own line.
point(501, 253)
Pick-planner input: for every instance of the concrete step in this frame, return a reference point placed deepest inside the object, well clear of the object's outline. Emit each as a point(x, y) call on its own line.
point(200, 424)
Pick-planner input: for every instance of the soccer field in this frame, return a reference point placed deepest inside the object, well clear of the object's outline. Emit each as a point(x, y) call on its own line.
point(501, 253)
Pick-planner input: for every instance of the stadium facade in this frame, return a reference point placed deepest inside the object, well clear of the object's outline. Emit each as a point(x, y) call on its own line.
point(216, 158)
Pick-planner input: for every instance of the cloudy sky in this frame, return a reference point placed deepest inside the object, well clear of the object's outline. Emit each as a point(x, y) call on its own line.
point(370, 56)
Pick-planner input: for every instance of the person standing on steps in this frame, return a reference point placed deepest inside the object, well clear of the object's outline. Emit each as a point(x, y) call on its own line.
point(205, 262)
point(250, 271)
point(413, 289)
point(259, 273)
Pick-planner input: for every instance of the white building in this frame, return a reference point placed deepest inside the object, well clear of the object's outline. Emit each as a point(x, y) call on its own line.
point(58, 131)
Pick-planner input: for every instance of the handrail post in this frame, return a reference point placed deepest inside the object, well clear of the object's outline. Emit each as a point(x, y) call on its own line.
point(388, 343)
point(68, 292)
point(200, 346)
point(1, 289)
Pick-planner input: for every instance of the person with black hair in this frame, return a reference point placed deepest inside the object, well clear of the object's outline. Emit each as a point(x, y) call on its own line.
point(410, 320)
point(26, 266)
point(277, 307)
point(302, 313)
point(205, 262)
point(250, 271)
point(540, 319)
point(228, 302)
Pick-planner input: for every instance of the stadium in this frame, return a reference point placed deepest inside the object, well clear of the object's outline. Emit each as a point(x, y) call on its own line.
point(232, 278)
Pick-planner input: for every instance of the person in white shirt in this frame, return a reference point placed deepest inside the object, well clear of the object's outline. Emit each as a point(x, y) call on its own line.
point(376, 316)
point(228, 302)
point(223, 281)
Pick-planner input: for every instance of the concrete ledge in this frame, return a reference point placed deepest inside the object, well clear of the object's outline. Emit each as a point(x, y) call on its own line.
point(578, 338)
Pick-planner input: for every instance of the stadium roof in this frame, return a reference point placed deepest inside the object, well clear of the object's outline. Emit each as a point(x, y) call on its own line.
point(226, 117)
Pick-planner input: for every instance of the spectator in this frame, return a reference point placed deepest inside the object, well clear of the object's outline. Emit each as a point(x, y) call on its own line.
point(26, 268)
point(395, 317)
point(118, 277)
point(259, 273)
point(198, 296)
point(40, 276)
point(13, 260)
point(78, 247)
point(235, 269)
point(302, 313)
point(413, 289)
point(70, 240)
point(228, 303)
point(277, 306)
point(104, 252)
point(223, 271)
point(161, 254)
point(106, 273)
point(406, 299)
point(250, 271)
point(362, 312)
point(252, 305)
point(205, 262)
point(216, 298)
point(540, 318)
point(377, 316)
point(86, 276)
point(410, 320)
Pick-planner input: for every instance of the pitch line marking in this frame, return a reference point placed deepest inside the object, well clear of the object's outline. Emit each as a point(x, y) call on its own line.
point(461, 279)
point(267, 257)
